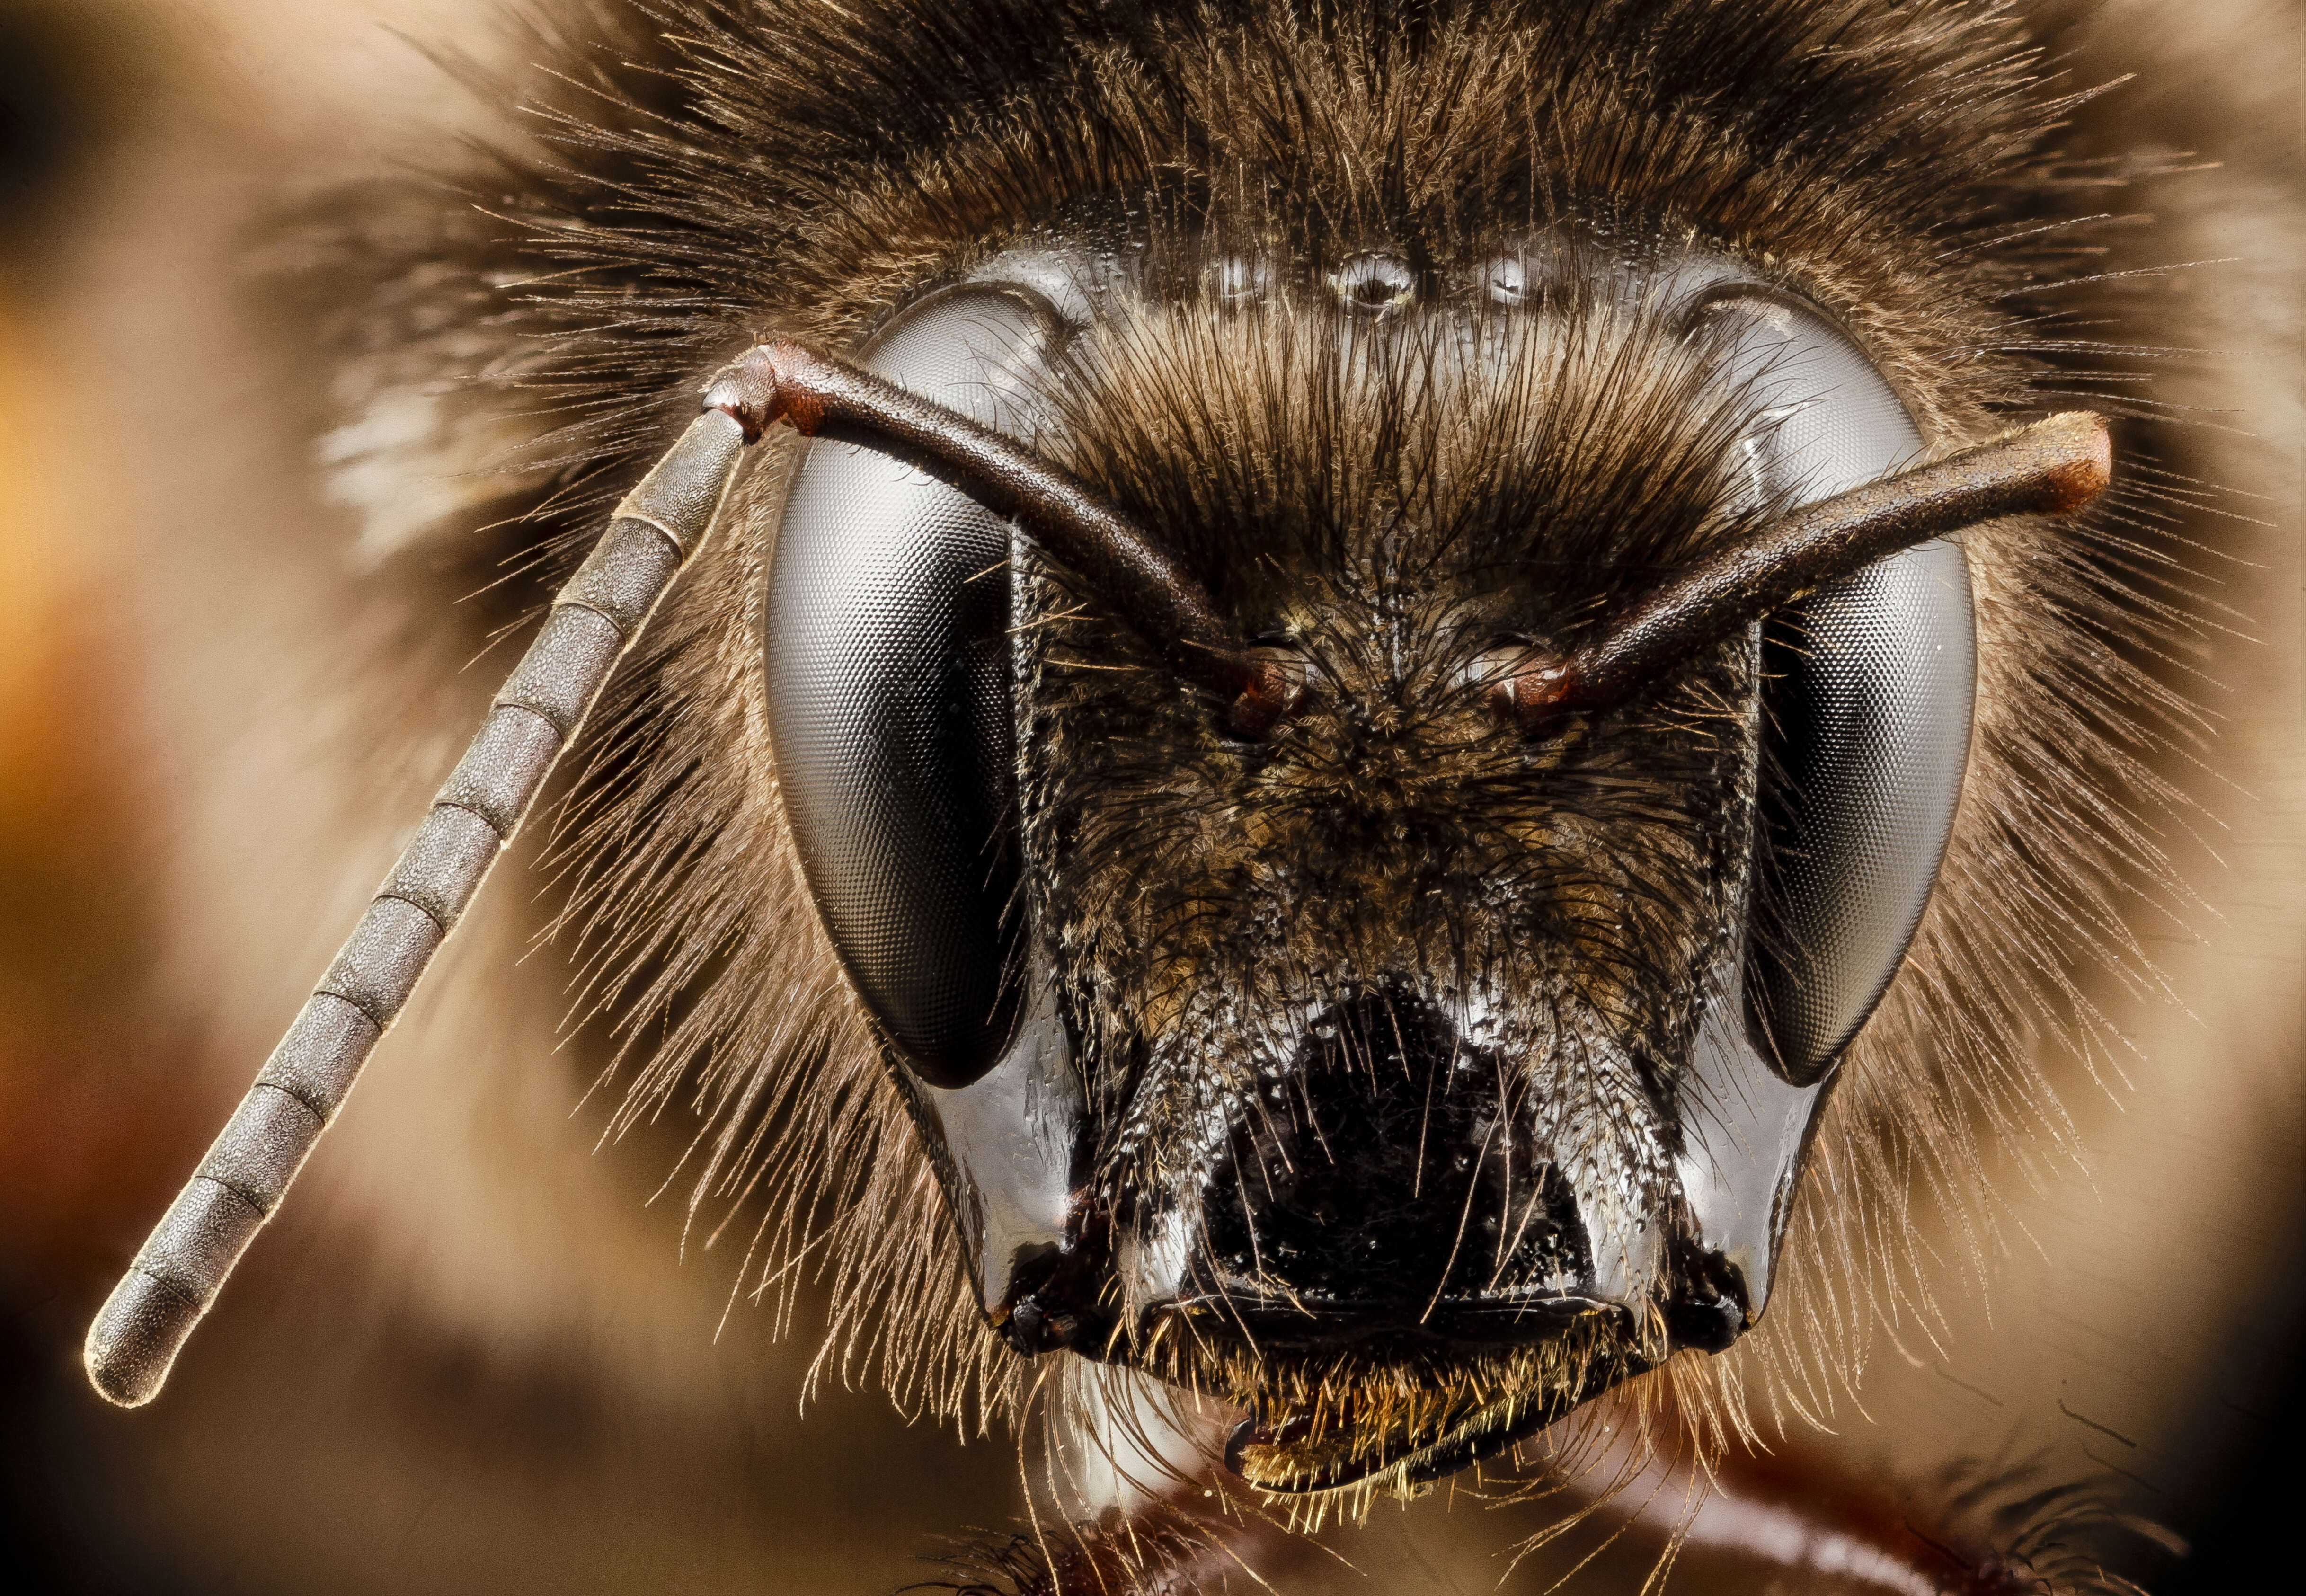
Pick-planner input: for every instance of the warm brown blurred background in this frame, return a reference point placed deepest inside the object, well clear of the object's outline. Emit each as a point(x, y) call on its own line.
point(471, 1359)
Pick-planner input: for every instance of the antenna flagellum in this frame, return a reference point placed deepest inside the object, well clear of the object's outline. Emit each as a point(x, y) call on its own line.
point(240, 1183)
point(2053, 467)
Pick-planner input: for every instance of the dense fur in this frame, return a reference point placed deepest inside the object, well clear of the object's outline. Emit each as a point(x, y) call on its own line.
point(1391, 515)
point(686, 182)
point(734, 173)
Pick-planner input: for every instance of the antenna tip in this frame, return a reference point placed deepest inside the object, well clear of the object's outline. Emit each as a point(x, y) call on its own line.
point(135, 1339)
point(2080, 458)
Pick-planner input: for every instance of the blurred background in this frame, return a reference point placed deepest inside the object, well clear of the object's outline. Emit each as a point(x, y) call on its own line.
point(473, 1357)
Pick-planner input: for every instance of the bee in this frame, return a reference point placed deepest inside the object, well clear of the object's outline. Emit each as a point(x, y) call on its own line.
point(1332, 742)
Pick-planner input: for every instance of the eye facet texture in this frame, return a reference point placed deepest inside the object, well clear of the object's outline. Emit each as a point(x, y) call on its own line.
point(1866, 710)
point(888, 672)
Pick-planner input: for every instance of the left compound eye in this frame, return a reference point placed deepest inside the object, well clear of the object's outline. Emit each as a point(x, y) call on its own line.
point(888, 669)
point(1866, 707)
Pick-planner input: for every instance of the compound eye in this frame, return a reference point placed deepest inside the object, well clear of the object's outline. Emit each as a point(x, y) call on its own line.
point(886, 638)
point(1866, 707)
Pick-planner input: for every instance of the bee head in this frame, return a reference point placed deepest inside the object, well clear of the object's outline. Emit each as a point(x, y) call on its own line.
point(1353, 691)
point(1429, 1029)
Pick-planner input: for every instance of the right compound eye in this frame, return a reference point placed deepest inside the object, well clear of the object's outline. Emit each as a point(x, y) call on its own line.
point(1867, 706)
point(886, 642)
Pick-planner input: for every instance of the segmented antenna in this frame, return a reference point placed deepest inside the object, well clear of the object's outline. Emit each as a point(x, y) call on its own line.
point(595, 618)
point(2051, 467)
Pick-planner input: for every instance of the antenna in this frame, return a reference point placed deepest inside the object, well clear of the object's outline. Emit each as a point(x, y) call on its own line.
point(239, 1184)
point(2051, 467)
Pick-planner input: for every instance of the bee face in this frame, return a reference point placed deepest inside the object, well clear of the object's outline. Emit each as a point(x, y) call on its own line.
point(1379, 1016)
point(1372, 1045)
